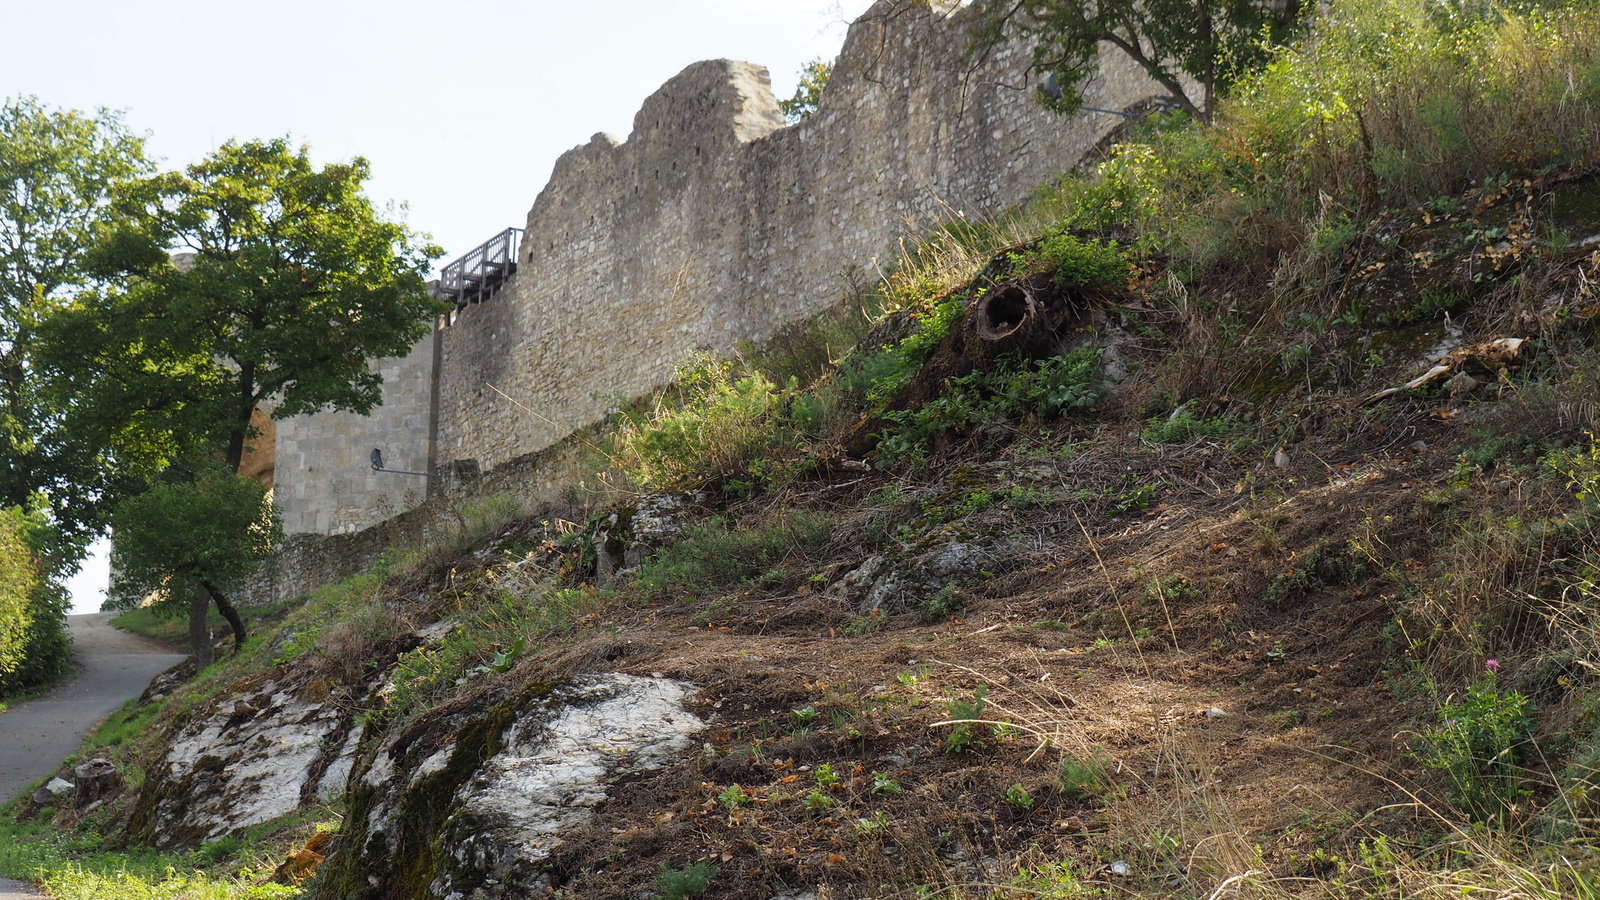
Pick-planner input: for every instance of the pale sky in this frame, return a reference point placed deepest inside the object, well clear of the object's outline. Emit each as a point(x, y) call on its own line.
point(461, 108)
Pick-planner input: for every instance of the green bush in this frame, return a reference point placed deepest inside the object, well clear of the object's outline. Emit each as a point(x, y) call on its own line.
point(1381, 103)
point(35, 647)
point(1480, 742)
point(711, 424)
point(878, 375)
point(1015, 387)
point(1078, 262)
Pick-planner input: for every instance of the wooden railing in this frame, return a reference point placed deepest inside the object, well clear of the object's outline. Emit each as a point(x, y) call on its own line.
point(476, 276)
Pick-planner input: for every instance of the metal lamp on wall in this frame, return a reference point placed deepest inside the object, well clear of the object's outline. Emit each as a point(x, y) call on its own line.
point(377, 466)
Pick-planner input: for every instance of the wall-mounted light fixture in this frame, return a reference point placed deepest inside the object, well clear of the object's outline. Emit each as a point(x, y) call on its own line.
point(377, 466)
point(1052, 89)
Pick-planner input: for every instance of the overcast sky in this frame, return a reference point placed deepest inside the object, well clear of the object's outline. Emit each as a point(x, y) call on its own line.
point(461, 108)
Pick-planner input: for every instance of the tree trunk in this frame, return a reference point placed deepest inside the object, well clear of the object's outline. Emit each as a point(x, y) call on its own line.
point(228, 612)
point(199, 634)
point(241, 429)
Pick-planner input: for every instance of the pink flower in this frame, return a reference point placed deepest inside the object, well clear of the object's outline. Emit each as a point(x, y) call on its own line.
point(1492, 665)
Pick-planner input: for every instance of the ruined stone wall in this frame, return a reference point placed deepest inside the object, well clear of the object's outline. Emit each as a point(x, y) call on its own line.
point(713, 223)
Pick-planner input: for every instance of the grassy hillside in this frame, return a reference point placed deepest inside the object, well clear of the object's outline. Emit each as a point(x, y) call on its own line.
point(1222, 524)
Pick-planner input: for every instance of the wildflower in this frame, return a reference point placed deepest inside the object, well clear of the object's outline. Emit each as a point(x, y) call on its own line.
point(1492, 665)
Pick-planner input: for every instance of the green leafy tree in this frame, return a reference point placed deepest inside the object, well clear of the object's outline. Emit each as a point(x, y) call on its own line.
point(57, 171)
point(287, 284)
point(1211, 42)
point(35, 647)
point(19, 575)
point(808, 93)
point(190, 539)
point(291, 284)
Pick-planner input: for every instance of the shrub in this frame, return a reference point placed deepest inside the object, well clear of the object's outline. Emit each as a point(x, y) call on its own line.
point(35, 647)
point(1013, 388)
point(1480, 742)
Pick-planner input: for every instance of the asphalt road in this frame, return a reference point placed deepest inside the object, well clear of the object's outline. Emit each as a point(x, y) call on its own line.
point(113, 668)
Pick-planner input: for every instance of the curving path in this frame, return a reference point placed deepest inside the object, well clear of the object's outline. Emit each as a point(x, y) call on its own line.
point(113, 667)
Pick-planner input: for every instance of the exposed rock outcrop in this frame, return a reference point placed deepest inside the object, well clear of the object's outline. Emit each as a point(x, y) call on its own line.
point(251, 757)
point(471, 799)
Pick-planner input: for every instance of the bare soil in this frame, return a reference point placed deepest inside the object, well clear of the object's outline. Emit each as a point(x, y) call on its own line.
point(1226, 652)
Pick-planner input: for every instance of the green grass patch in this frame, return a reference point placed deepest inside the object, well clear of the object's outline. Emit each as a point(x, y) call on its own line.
point(172, 625)
point(76, 866)
point(717, 553)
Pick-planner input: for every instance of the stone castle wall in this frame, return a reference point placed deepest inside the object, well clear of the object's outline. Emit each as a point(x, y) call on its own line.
point(323, 478)
point(712, 224)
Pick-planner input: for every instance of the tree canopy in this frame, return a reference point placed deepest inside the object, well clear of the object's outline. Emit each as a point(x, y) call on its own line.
point(57, 172)
point(292, 284)
point(1208, 42)
point(808, 92)
point(287, 283)
point(193, 535)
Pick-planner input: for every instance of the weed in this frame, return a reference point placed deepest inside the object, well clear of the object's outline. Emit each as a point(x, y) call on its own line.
point(214, 852)
point(879, 375)
point(735, 797)
point(689, 881)
point(1054, 880)
point(1014, 387)
point(504, 659)
point(872, 824)
point(1134, 495)
point(716, 553)
point(1019, 798)
point(818, 803)
point(1182, 425)
point(1314, 569)
point(1480, 742)
point(884, 783)
point(1076, 262)
point(912, 679)
point(861, 626)
point(944, 603)
point(1086, 778)
point(1285, 719)
point(827, 777)
point(966, 735)
point(1020, 497)
point(1170, 587)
